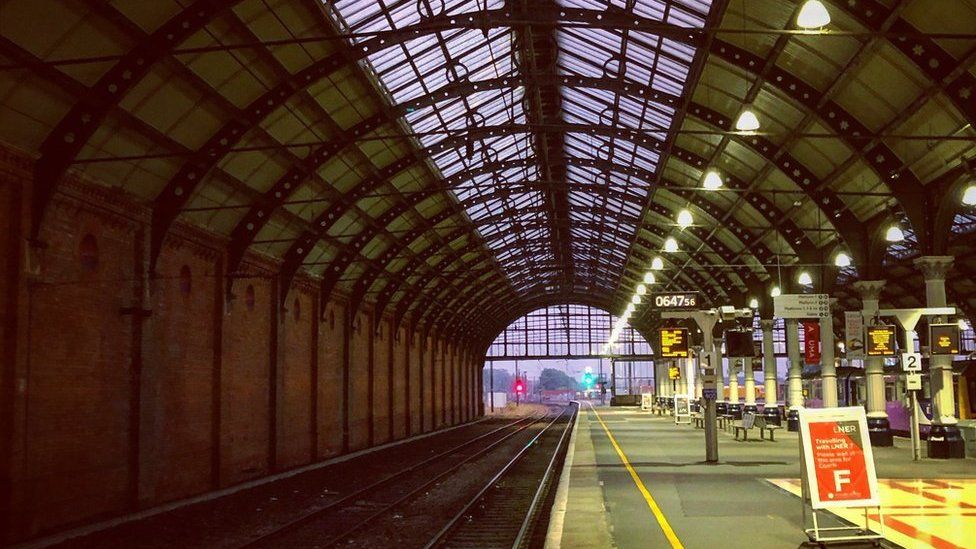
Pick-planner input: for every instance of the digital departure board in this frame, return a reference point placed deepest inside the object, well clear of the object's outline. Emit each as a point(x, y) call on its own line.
point(681, 301)
point(674, 343)
point(880, 340)
point(944, 339)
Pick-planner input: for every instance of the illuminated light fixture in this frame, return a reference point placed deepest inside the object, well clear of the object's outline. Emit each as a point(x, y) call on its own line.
point(670, 245)
point(840, 345)
point(641, 289)
point(649, 278)
point(713, 181)
point(630, 308)
point(747, 122)
point(842, 260)
point(894, 234)
point(685, 219)
point(775, 292)
point(805, 279)
point(813, 15)
point(753, 303)
point(635, 300)
point(969, 196)
point(657, 264)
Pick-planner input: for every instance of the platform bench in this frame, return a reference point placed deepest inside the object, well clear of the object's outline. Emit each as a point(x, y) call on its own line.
point(698, 420)
point(737, 427)
point(763, 427)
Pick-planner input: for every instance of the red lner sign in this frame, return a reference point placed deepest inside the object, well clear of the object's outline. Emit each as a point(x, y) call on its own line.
point(839, 464)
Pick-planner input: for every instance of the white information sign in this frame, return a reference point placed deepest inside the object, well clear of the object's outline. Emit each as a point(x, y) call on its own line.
point(801, 306)
point(837, 458)
point(854, 334)
point(647, 401)
point(913, 381)
point(911, 362)
point(682, 409)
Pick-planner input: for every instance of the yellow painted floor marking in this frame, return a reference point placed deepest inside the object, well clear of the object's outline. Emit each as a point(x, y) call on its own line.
point(661, 520)
point(918, 513)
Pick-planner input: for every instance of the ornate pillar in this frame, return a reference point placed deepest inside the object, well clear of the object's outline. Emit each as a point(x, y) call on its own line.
point(828, 368)
point(750, 382)
point(879, 429)
point(735, 407)
point(771, 407)
point(794, 390)
point(945, 441)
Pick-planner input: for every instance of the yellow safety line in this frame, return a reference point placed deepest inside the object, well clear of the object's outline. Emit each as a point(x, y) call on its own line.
point(661, 520)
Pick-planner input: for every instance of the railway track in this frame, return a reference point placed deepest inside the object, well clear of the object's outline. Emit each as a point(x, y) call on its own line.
point(506, 511)
point(353, 512)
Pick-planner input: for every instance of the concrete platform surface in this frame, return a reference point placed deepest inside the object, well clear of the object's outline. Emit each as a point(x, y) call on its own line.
point(637, 480)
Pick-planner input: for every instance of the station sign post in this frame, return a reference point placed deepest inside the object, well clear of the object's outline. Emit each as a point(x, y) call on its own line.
point(707, 363)
point(838, 470)
point(911, 361)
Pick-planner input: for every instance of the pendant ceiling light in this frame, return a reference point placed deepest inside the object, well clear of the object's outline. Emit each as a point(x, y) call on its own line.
point(775, 292)
point(805, 279)
point(649, 278)
point(753, 303)
point(813, 15)
point(657, 264)
point(671, 245)
point(685, 219)
point(842, 260)
point(894, 234)
point(713, 181)
point(747, 122)
point(969, 196)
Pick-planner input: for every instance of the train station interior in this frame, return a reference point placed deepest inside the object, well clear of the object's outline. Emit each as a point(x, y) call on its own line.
point(488, 273)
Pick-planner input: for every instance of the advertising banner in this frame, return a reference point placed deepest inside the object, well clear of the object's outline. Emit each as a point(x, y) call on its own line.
point(837, 458)
point(854, 334)
point(811, 342)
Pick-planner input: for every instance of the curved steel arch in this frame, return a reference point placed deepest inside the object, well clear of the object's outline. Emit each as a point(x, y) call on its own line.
point(178, 190)
point(483, 293)
point(62, 145)
point(695, 276)
point(258, 214)
point(904, 186)
point(367, 279)
point(592, 303)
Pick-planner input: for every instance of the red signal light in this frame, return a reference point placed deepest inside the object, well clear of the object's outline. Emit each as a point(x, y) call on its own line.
point(519, 387)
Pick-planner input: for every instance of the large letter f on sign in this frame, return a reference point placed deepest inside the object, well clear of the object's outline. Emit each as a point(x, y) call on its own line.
point(841, 477)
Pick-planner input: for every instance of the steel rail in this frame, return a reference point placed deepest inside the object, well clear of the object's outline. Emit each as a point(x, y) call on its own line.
point(441, 536)
point(298, 522)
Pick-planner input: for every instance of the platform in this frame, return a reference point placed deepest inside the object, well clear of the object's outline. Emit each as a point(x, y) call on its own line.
point(637, 480)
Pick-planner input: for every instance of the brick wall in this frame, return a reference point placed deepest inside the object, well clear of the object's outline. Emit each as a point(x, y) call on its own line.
point(244, 416)
point(123, 389)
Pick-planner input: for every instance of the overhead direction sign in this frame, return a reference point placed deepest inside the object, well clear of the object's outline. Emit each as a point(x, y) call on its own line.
point(801, 306)
point(674, 343)
point(677, 301)
point(944, 339)
point(837, 458)
point(880, 340)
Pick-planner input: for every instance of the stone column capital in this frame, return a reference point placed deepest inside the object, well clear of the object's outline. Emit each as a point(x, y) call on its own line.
point(767, 324)
point(934, 267)
point(869, 289)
